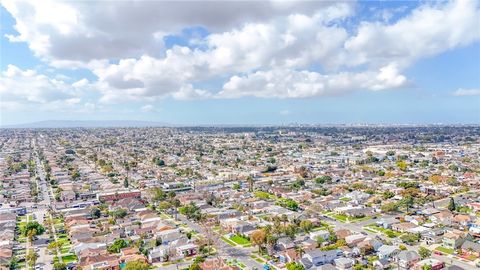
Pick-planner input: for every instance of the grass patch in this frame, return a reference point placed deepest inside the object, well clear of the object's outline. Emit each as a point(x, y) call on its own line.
point(228, 241)
point(258, 259)
point(64, 241)
point(387, 232)
point(345, 199)
point(69, 258)
point(339, 217)
point(65, 249)
point(240, 240)
point(445, 250)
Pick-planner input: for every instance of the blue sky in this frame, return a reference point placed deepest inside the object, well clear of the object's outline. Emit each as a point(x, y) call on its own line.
point(247, 63)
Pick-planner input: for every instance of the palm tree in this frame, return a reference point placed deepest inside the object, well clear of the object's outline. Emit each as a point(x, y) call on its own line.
point(284, 219)
point(300, 250)
point(271, 241)
point(31, 233)
point(32, 258)
point(250, 183)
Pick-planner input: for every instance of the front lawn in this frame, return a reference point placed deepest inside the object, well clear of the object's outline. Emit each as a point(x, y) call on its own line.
point(445, 250)
point(69, 258)
point(240, 240)
point(345, 218)
point(387, 232)
point(339, 217)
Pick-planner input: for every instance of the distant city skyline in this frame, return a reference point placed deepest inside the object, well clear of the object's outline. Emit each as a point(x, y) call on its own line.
point(217, 63)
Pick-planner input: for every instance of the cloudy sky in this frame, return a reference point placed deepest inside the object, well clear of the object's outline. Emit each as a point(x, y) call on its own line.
point(241, 62)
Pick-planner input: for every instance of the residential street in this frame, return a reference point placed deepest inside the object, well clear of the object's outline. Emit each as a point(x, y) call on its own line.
point(225, 250)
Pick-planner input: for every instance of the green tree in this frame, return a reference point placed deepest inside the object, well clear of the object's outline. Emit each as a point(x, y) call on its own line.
point(424, 252)
point(117, 246)
point(191, 211)
point(158, 194)
point(13, 263)
point(388, 194)
point(294, 266)
point(59, 266)
point(323, 179)
point(136, 265)
point(33, 225)
point(407, 202)
point(389, 207)
point(158, 161)
point(402, 165)
point(451, 204)
point(427, 267)
point(306, 225)
point(236, 186)
point(291, 230)
point(288, 203)
point(95, 213)
point(119, 213)
point(390, 153)
point(32, 258)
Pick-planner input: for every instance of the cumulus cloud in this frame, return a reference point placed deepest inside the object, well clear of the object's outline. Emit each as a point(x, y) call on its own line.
point(467, 92)
point(284, 83)
point(27, 85)
point(26, 89)
point(428, 30)
point(80, 31)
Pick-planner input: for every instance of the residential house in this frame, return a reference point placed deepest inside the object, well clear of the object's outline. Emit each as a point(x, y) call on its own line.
point(406, 259)
point(388, 252)
point(470, 247)
point(434, 263)
point(452, 240)
point(344, 263)
point(318, 257)
point(387, 222)
point(403, 226)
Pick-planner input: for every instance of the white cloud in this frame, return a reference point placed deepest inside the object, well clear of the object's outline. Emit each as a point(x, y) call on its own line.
point(147, 108)
point(428, 30)
point(27, 85)
point(284, 83)
point(29, 90)
point(467, 92)
point(83, 31)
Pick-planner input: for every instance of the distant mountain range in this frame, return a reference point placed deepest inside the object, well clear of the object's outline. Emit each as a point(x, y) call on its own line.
point(88, 124)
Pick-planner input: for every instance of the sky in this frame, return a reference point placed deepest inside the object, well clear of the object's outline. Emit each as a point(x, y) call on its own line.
point(245, 62)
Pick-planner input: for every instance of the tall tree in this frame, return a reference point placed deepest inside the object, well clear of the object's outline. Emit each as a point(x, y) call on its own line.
point(451, 204)
point(258, 238)
point(424, 252)
point(250, 183)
